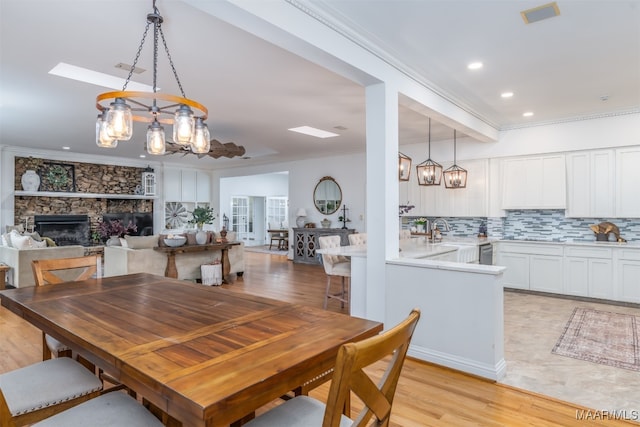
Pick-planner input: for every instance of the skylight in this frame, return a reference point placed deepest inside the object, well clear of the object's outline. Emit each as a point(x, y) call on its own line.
point(318, 133)
point(96, 78)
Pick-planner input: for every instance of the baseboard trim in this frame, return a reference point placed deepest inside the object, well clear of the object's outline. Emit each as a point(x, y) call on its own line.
point(492, 372)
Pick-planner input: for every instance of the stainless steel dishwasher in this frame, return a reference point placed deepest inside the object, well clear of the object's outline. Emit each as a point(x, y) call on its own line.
point(485, 255)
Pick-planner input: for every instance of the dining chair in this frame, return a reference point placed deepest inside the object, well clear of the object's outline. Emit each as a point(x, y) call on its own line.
point(38, 391)
point(358, 239)
point(335, 266)
point(348, 376)
point(53, 271)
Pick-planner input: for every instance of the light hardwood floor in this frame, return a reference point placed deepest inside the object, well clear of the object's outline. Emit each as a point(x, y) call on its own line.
point(427, 395)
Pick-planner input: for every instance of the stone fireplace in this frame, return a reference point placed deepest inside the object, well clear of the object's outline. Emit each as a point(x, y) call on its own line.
point(65, 230)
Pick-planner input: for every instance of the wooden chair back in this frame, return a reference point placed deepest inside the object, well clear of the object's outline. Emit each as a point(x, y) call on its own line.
point(52, 271)
point(349, 375)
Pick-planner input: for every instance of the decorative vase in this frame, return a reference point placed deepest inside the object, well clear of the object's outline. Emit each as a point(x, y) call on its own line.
point(420, 228)
point(114, 241)
point(325, 223)
point(201, 236)
point(30, 181)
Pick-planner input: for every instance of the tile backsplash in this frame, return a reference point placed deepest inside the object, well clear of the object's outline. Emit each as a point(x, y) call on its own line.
point(533, 224)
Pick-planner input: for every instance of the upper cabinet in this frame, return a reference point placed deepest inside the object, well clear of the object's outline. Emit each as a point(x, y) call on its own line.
point(438, 201)
point(627, 177)
point(534, 183)
point(186, 186)
point(603, 183)
point(590, 184)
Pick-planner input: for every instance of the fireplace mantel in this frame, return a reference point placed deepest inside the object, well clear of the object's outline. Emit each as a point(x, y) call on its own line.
point(82, 195)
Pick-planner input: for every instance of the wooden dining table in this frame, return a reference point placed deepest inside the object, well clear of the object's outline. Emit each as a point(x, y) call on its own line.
point(207, 356)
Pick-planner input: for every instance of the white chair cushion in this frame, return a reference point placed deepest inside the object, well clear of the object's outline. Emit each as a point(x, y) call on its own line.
point(54, 345)
point(46, 383)
point(111, 409)
point(341, 269)
point(301, 411)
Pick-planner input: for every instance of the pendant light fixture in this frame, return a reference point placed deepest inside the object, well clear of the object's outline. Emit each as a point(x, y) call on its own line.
point(404, 167)
point(429, 172)
point(455, 176)
point(115, 121)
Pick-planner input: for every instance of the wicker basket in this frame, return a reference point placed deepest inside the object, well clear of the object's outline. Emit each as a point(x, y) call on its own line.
point(211, 274)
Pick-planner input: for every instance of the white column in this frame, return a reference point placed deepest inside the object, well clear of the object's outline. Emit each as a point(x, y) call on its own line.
point(381, 192)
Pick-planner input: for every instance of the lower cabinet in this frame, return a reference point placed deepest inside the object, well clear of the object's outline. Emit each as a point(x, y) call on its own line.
point(536, 267)
point(589, 272)
point(628, 275)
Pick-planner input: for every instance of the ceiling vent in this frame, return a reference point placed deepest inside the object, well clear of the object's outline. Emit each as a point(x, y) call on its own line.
point(539, 13)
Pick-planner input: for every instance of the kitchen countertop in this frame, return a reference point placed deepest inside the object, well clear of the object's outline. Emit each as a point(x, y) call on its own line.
point(578, 242)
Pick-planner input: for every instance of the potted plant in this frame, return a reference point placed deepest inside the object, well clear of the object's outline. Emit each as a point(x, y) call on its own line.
point(420, 223)
point(200, 216)
point(114, 229)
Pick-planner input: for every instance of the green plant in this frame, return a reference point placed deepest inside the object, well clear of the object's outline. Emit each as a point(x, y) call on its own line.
point(420, 221)
point(202, 215)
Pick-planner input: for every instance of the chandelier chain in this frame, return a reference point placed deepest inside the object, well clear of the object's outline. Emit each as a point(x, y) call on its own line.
point(173, 68)
point(135, 61)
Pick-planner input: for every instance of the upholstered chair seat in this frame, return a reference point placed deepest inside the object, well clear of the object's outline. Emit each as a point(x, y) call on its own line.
point(109, 410)
point(39, 388)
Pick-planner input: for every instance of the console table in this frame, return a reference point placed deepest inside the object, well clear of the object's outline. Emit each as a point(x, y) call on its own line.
point(305, 242)
point(172, 270)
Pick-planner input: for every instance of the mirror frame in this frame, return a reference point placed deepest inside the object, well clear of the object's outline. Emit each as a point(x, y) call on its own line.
point(320, 206)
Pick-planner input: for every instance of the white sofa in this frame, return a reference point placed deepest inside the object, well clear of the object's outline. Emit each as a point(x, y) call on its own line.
point(120, 260)
point(21, 273)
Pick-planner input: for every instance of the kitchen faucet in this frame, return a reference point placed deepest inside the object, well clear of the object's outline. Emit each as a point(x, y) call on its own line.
point(434, 224)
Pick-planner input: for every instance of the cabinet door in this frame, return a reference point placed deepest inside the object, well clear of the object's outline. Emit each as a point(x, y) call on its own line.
point(627, 179)
point(172, 185)
point(601, 278)
point(576, 278)
point(553, 190)
point(545, 273)
point(579, 185)
point(188, 186)
point(628, 282)
point(203, 187)
point(514, 182)
point(534, 183)
point(602, 184)
point(516, 274)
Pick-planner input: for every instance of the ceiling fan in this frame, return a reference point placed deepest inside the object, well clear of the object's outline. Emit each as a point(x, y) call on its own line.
point(217, 150)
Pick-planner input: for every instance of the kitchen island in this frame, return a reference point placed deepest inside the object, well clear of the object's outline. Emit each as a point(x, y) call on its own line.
point(462, 325)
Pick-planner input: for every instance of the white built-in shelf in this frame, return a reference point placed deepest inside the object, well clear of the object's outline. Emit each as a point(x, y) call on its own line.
point(82, 195)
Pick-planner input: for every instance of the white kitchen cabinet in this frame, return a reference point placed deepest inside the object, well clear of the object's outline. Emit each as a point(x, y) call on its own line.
point(590, 184)
point(627, 178)
point(589, 272)
point(471, 201)
point(187, 186)
point(627, 281)
point(516, 274)
point(545, 273)
point(534, 183)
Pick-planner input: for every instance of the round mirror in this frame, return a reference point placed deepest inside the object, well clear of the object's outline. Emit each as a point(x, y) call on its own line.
point(327, 197)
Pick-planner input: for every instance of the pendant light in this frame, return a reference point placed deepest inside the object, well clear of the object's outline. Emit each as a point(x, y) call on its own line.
point(404, 167)
point(429, 172)
point(455, 176)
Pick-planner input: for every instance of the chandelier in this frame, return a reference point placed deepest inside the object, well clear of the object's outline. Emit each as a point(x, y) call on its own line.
point(455, 176)
point(429, 172)
point(118, 110)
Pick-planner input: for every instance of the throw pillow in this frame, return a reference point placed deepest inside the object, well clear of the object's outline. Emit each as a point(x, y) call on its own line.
point(4, 240)
point(22, 242)
point(18, 228)
point(37, 244)
point(35, 236)
point(141, 242)
point(49, 241)
point(123, 242)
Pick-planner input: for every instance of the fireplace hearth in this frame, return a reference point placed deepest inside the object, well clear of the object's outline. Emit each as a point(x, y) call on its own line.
point(65, 230)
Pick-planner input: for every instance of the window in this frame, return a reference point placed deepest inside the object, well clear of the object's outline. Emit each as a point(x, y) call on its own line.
point(240, 216)
point(277, 212)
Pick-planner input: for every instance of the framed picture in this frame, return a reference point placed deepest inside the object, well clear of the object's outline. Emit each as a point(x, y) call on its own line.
point(57, 177)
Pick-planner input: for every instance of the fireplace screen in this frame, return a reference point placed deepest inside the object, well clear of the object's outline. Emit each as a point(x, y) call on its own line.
point(65, 230)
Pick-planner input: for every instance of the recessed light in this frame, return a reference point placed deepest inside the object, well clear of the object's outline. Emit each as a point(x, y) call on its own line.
point(66, 148)
point(527, 114)
point(506, 94)
point(143, 156)
point(475, 66)
point(96, 78)
point(318, 133)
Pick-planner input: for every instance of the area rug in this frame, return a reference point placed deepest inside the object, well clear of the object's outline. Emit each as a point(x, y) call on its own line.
point(265, 250)
point(601, 337)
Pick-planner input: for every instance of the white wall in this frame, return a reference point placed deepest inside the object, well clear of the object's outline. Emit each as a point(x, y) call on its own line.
point(262, 185)
point(348, 171)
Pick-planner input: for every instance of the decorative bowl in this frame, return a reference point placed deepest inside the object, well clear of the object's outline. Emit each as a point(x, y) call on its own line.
point(175, 241)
